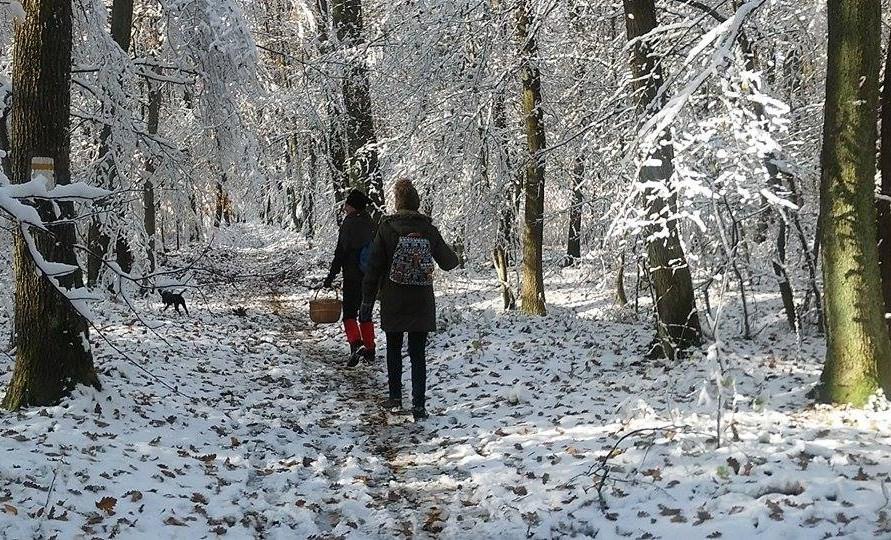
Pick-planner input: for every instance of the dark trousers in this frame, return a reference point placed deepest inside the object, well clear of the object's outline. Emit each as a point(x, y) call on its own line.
point(352, 298)
point(417, 345)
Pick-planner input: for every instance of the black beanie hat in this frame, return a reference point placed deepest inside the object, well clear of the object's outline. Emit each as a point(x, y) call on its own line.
point(357, 200)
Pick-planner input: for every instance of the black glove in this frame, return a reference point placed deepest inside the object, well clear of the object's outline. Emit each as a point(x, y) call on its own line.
point(328, 283)
point(365, 312)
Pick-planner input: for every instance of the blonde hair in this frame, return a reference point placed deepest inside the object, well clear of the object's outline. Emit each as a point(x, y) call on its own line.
point(405, 195)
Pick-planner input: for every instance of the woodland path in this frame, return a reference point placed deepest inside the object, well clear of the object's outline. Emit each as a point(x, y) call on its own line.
point(418, 495)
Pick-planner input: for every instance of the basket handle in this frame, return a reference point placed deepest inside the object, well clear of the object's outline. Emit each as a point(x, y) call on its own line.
point(320, 289)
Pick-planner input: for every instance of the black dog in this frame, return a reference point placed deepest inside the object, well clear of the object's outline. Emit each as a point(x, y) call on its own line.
point(173, 299)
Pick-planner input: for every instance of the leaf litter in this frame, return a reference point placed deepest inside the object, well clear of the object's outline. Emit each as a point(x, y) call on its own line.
point(542, 427)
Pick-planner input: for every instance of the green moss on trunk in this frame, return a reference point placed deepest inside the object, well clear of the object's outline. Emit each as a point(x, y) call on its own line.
point(858, 349)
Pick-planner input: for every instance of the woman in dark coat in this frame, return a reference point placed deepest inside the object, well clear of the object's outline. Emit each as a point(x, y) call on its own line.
point(405, 290)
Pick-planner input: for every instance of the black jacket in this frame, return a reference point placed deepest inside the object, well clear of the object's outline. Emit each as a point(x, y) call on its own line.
point(356, 230)
point(404, 308)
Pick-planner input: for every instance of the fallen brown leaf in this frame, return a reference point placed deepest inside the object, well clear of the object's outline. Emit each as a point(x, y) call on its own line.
point(107, 504)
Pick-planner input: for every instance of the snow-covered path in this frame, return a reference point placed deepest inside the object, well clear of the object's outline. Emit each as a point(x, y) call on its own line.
point(267, 435)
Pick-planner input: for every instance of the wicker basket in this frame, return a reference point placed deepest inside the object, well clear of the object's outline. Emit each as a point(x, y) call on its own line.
point(324, 310)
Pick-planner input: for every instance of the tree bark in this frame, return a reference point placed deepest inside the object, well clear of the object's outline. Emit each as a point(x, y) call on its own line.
point(307, 194)
point(53, 352)
point(98, 239)
point(621, 297)
point(574, 241)
point(222, 209)
point(5, 144)
point(532, 293)
point(779, 268)
point(774, 180)
point(363, 171)
point(884, 205)
point(148, 188)
point(677, 322)
point(507, 207)
point(858, 349)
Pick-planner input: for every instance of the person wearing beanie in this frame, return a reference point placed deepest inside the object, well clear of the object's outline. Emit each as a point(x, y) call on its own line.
point(400, 274)
point(353, 244)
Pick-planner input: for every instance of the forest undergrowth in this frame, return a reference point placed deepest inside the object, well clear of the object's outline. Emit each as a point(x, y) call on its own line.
point(241, 420)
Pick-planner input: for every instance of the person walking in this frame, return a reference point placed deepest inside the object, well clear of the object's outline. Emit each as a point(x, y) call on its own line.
point(353, 247)
point(400, 273)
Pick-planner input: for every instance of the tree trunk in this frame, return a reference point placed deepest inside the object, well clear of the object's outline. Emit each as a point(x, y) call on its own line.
point(621, 298)
point(677, 322)
point(307, 194)
point(858, 349)
point(577, 12)
point(97, 243)
point(779, 268)
point(296, 221)
point(774, 180)
point(574, 242)
point(884, 205)
point(338, 155)
point(148, 189)
point(221, 210)
point(336, 145)
point(364, 171)
point(98, 240)
point(198, 221)
point(532, 293)
point(507, 200)
point(121, 32)
point(294, 177)
point(5, 144)
point(53, 352)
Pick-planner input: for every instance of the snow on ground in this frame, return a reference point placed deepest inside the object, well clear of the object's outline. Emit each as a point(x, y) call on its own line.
point(245, 424)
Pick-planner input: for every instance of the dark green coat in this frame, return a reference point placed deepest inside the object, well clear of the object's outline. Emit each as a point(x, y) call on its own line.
point(404, 308)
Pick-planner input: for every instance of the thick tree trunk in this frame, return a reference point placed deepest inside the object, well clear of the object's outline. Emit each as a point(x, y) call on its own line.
point(574, 241)
point(858, 349)
point(364, 171)
point(884, 204)
point(677, 322)
point(53, 351)
point(336, 139)
point(532, 293)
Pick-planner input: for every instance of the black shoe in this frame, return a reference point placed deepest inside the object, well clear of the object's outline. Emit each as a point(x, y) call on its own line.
point(393, 405)
point(419, 413)
point(367, 355)
point(355, 356)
